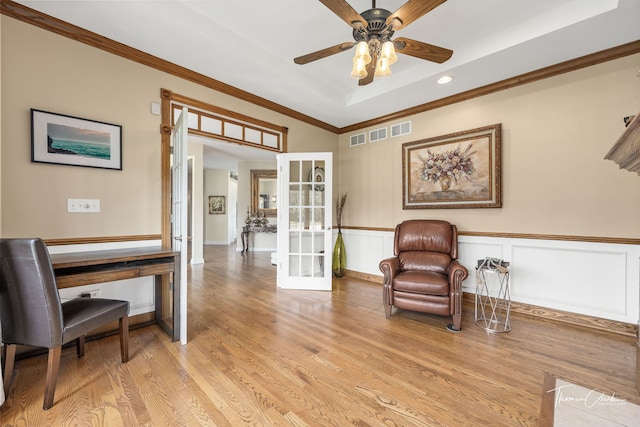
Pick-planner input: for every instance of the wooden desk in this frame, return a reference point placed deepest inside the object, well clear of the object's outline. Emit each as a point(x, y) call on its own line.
point(85, 268)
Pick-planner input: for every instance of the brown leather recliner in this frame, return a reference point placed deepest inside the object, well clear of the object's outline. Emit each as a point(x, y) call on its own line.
point(425, 275)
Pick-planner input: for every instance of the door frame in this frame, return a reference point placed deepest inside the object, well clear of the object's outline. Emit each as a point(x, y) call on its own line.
point(167, 97)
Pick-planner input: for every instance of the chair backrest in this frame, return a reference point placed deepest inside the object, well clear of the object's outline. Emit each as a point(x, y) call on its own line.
point(426, 245)
point(30, 308)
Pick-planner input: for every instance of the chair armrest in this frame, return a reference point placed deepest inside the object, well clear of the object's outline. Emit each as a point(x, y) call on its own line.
point(389, 268)
point(457, 273)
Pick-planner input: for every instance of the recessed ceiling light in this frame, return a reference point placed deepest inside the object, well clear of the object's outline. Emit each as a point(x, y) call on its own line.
point(444, 80)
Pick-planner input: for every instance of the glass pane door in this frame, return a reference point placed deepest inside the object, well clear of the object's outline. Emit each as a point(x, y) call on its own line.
point(304, 221)
point(179, 210)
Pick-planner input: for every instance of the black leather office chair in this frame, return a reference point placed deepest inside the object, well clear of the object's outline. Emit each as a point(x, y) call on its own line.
point(32, 314)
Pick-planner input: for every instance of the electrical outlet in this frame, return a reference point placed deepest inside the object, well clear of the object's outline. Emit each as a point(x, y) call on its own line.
point(83, 205)
point(92, 293)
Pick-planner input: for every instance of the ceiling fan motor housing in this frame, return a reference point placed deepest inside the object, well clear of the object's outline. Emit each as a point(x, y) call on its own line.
point(376, 28)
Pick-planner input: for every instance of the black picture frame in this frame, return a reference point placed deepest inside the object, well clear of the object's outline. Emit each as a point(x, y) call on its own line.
point(67, 140)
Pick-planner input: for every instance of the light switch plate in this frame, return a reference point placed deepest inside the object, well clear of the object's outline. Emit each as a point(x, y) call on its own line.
point(83, 205)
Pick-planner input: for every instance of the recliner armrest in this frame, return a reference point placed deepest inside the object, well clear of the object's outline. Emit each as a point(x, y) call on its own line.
point(389, 268)
point(457, 273)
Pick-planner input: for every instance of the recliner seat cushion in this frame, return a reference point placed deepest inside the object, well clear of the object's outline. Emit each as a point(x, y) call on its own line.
point(421, 282)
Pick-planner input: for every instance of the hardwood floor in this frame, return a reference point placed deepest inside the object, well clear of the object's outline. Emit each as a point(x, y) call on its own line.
point(259, 355)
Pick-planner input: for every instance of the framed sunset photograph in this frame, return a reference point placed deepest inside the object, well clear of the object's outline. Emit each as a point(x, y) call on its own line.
point(68, 140)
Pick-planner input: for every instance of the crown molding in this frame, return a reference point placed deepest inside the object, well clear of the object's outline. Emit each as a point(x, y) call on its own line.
point(49, 23)
point(522, 79)
point(63, 28)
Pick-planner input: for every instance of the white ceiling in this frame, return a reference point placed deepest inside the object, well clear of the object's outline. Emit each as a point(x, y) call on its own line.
point(250, 44)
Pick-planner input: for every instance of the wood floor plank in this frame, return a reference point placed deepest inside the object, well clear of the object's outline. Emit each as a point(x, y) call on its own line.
point(259, 355)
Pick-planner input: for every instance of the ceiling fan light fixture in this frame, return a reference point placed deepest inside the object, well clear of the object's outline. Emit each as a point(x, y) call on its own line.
point(388, 51)
point(362, 52)
point(383, 67)
point(359, 70)
point(372, 31)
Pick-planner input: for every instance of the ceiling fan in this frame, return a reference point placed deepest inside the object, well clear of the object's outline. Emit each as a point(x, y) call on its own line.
point(372, 32)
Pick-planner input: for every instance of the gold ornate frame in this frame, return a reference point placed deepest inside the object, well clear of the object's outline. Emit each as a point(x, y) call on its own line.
point(459, 170)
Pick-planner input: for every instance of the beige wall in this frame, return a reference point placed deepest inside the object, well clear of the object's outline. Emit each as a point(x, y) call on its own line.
point(44, 71)
point(556, 133)
point(216, 225)
point(196, 183)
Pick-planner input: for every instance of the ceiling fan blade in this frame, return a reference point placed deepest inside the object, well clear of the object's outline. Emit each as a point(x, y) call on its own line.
point(345, 12)
point(371, 71)
point(422, 50)
point(314, 56)
point(410, 11)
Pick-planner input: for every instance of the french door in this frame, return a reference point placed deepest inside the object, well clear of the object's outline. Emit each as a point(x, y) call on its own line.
point(304, 221)
point(179, 202)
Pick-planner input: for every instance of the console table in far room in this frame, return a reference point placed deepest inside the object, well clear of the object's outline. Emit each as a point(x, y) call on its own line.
point(255, 229)
point(92, 267)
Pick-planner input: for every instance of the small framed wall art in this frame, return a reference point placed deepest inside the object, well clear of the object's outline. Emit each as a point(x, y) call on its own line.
point(216, 205)
point(68, 140)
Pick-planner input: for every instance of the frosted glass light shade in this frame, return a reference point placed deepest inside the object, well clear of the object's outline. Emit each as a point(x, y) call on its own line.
point(359, 70)
point(362, 51)
point(389, 51)
point(383, 68)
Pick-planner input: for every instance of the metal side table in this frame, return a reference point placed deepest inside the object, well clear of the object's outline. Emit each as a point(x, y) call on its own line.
point(493, 297)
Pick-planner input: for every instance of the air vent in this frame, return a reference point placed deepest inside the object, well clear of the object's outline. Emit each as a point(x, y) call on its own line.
point(378, 134)
point(401, 129)
point(358, 139)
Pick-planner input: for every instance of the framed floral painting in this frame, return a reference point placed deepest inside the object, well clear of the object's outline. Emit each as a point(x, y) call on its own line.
point(459, 170)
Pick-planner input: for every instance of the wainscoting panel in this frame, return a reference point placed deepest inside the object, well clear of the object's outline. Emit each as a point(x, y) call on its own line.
point(365, 249)
point(139, 292)
point(469, 252)
point(571, 279)
point(583, 277)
